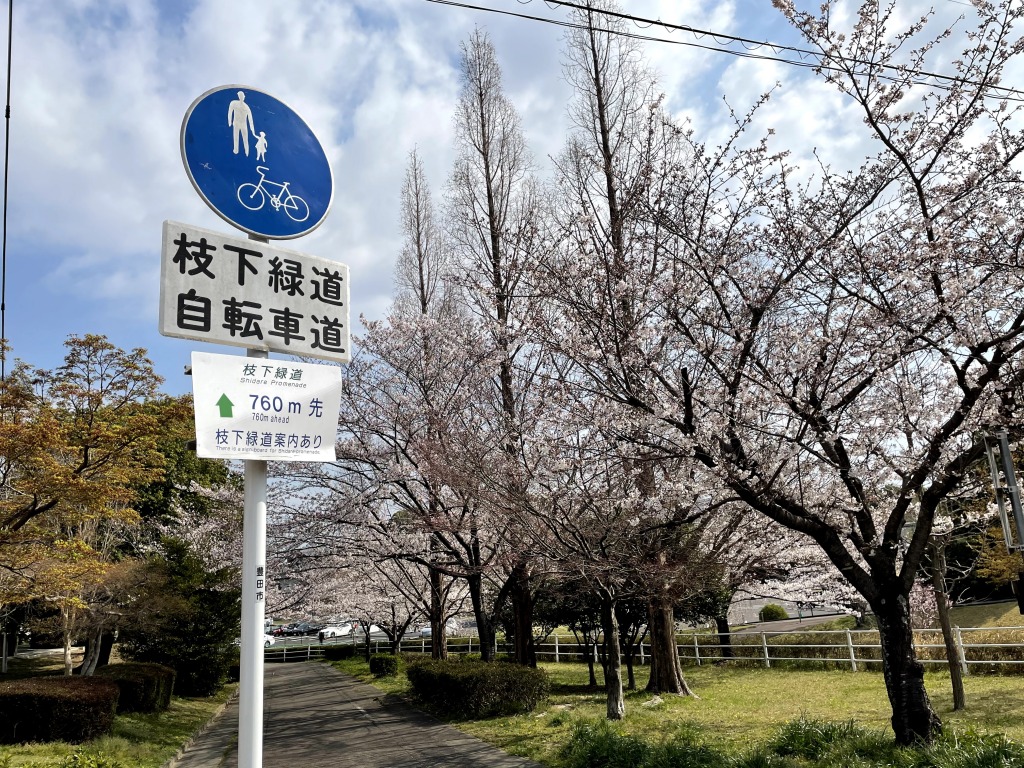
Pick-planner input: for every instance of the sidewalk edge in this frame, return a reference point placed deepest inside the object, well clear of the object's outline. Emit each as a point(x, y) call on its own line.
point(176, 758)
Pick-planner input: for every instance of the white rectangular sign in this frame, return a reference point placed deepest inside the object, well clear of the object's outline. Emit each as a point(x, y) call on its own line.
point(245, 293)
point(271, 410)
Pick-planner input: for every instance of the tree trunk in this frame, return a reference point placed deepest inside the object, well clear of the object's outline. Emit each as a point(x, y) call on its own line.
point(92, 654)
point(68, 618)
point(483, 623)
point(724, 636)
point(522, 616)
point(97, 652)
point(590, 649)
point(913, 719)
point(616, 703)
point(438, 640)
point(956, 678)
point(666, 672)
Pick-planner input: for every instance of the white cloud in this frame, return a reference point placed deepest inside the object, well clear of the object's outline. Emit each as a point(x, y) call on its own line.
point(100, 88)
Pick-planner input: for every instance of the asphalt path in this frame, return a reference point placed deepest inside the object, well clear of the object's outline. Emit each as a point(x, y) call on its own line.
point(317, 715)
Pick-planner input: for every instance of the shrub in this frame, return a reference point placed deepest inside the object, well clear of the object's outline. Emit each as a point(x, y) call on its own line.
point(812, 738)
point(144, 687)
point(383, 665)
point(972, 750)
point(73, 709)
point(599, 745)
point(475, 689)
point(339, 652)
point(772, 612)
point(89, 760)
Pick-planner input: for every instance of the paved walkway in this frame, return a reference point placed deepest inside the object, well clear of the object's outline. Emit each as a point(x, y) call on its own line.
point(316, 714)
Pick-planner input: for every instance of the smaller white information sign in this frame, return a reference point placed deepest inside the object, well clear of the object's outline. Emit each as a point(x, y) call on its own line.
point(270, 410)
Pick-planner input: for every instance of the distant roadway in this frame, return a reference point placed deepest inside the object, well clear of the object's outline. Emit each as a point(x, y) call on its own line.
point(786, 625)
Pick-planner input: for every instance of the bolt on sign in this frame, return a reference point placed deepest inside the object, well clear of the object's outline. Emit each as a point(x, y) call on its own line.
point(270, 410)
point(245, 293)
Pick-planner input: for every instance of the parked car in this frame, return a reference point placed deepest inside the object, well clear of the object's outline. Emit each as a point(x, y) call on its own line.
point(361, 627)
point(268, 640)
point(340, 629)
point(300, 629)
point(450, 628)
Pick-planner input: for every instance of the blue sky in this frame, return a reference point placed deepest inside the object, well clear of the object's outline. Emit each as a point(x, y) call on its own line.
point(100, 87)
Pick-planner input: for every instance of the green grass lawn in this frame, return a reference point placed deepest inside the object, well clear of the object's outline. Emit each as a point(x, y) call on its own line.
point(1003, 614)
point(736, 708)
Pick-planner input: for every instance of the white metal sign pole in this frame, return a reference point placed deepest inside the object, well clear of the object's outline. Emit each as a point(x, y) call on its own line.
point(254, 574)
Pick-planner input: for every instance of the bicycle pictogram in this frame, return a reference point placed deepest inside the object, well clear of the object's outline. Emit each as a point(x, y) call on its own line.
point(254, 197)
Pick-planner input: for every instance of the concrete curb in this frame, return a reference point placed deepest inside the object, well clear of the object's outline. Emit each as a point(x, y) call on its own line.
point(200, 731)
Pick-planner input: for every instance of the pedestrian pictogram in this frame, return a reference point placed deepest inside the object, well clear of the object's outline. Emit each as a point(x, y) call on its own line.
point(256, 162)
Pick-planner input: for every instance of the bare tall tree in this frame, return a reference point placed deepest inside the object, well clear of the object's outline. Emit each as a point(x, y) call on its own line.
point(608, 174)
point(492, 219)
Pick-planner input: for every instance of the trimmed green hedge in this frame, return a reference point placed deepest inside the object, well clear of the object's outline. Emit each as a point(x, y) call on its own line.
point(475, 689)
point(772, 612)
point(144, 687)
point(339, 652)
point(383, 665)
point(73, 709)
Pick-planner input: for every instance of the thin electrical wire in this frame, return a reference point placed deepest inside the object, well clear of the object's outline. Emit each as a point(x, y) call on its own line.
point(7, 159)
point(935, 80)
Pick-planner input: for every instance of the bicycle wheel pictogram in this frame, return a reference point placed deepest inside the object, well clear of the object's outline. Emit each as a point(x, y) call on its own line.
point(251, 196)
point(296, 208)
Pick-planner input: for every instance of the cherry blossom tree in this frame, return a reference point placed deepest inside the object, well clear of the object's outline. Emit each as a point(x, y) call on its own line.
point(829, 346)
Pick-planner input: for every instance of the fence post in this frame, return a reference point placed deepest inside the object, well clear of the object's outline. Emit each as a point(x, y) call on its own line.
point(764, 647)
point(470, 637)
point(696, 649)
point(423, 644)
point(556, 649)
point(642, 662)
point(958, 638)
point(849, 646)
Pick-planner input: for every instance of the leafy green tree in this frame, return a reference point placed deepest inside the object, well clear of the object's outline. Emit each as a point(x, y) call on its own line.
point(191, 617)
point(184, 485)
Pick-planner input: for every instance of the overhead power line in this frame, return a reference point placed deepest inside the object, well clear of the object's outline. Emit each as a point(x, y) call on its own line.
point(7, 162)
point(808, 59)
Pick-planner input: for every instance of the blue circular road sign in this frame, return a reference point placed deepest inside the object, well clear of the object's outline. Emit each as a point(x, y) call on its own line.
point(256, 163)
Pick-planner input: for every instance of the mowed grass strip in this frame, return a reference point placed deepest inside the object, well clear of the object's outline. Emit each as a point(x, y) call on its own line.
point(737, 709)
point(1001, 614)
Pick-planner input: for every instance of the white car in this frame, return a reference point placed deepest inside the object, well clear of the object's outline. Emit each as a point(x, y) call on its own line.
point(268, 640)
point(450, 628)
point(337, 630)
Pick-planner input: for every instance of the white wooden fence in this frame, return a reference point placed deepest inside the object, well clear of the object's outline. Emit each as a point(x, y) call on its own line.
point(984, 648)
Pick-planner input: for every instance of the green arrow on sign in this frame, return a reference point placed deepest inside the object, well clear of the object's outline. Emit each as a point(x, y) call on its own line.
point(225, 406)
